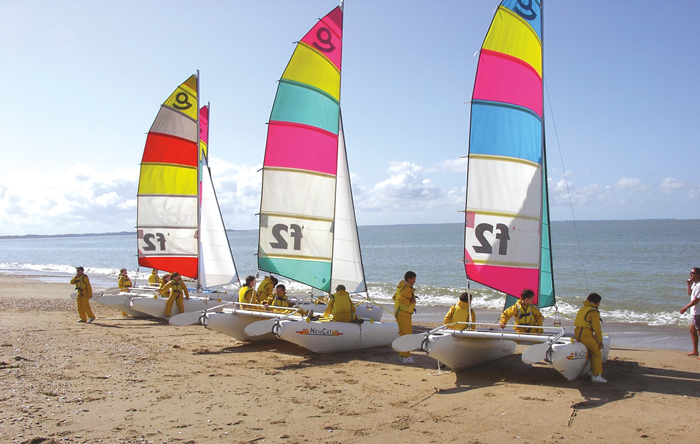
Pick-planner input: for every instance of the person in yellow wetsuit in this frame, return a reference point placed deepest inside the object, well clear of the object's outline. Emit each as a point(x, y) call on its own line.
point(340, 306)
point(154, 279)
point(279, 297)
point(175, 288)
point(525, 312)
point(404, 306)
point(124, 282)
point(163, 281)
point(246, 293)
point(84, 292)
point(462, 312)
point(588, 332)
point(265, 290)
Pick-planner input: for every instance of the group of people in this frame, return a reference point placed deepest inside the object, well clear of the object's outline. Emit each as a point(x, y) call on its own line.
point(528, 319)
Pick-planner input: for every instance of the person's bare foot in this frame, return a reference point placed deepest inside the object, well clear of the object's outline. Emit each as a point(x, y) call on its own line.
point(691, 354)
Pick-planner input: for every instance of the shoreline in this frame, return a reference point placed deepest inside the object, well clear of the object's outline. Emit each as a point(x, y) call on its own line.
point(129, 380)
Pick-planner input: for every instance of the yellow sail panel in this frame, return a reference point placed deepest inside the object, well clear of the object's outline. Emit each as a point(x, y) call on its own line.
point(168, 180)
point(310, 67)
point(511, 35)
point(184, 98)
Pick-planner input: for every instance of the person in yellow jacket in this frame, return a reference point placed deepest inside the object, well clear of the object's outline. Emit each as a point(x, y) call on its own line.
point(404, 306)
point(84, 292)
point(462, 312)
point(525, 312)
point(279, 298)
point(154, 279)
point(245, 294)
point(265, 290)
point(175, 288)
point(124, 282)
point(340, 306)
point(588, 332)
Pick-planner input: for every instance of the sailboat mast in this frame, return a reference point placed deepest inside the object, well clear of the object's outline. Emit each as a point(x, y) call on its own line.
point(199, 193)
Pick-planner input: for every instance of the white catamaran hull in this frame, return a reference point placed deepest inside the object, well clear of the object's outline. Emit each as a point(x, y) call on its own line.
point(460, 352)
point(233, 321)
point(329, 337)
point(156, 306)
point(570, 357)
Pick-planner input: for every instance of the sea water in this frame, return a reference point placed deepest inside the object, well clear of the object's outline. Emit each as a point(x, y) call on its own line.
point(639, 267)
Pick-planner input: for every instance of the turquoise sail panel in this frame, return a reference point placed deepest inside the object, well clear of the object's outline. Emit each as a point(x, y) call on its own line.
point(313, 273)
point(546, 297)
point(300, 103)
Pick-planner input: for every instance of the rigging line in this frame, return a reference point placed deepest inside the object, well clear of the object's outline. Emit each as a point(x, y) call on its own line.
point(568, 192)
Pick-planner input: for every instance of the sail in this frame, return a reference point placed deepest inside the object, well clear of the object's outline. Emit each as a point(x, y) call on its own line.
point(216, 265)
point(167, 214)
point(507, 222)
point(301, 234)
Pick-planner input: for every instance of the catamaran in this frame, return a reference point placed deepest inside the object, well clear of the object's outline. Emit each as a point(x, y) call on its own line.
point(507, 237)
point(308, 232)
point(180, 227)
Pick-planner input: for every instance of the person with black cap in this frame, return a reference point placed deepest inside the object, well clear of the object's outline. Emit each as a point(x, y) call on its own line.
point(340, 306)
point(84, 292)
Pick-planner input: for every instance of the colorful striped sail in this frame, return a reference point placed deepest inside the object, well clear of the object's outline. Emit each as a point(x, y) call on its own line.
point(168, 200)
point(507, 223)
point(307, 229)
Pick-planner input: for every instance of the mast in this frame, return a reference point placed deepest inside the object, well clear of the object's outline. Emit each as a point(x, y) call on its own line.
point(200, 159)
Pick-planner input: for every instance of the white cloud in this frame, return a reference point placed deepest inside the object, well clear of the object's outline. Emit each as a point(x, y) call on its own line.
point(670, 184)
point(631, 184)
point(404, 188)
point(458, 165)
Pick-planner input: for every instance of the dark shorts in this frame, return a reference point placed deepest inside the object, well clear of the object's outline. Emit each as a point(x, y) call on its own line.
point(695, 320)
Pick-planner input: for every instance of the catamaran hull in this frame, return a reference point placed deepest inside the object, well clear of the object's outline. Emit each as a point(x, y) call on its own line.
point(114, 298)
point(329, 337)
point(233, 323)
point(364, 310)
point(570, 358)
point(458, 353)
point(156, 307)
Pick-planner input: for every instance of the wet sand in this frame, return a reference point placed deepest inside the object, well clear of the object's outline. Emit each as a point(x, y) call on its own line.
point(123, 380)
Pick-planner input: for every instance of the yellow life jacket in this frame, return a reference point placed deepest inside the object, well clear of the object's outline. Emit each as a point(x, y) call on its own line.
point(153, 278)
point(264, 293)
point(583, 318)
point(245, 294)
point(280, 301)
point(461, 313)
point(124, 283)
point(525, 315)
point(343, 309)
point(175, 288)
point(82, 286)
point(404, 298)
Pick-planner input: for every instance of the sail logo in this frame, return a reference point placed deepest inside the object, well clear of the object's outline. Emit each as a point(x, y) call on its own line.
point(281, 243)
point(525, 10)
point(319, 332)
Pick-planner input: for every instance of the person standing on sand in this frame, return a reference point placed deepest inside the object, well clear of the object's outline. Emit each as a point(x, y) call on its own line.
point(525, 313)
point(84, 291)
point(124, 282)
point(154, 279)
point(175, 288)
point(588, 332)
point(404, 306)
point(694, 293)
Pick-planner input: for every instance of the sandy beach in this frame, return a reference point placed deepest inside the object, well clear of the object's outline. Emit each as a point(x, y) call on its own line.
point(123, 380)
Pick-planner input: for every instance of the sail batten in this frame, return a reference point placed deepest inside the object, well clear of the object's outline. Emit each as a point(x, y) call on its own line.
point(506, 171)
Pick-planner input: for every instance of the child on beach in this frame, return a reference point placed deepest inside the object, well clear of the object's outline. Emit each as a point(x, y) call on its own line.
point(588, 332)
point(404, 306)
point(525, 312)
point(84, 292)
point(462, 312)
point(124, 282)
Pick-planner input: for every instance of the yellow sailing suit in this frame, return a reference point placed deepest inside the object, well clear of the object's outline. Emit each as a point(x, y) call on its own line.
point(279, 301)
point(176, 289)
point(153, 279)
point(124, 283)
point(341, 307)
point(588, 333)
point(265, 290)
point(245, 294)
point(84, 291)
point(524, 315)
point(460, 313)
point(404, 305)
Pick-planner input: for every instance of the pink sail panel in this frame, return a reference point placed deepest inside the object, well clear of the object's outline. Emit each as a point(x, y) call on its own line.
point(502, 78)
point(297, 146)
point(326, 36)
point(509, 280)
point(204, 124)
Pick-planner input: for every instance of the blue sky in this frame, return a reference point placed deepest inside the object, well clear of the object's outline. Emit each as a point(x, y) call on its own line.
point(83, 80)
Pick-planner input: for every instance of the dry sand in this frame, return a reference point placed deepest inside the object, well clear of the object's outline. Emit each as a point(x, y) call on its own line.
point(123, 380)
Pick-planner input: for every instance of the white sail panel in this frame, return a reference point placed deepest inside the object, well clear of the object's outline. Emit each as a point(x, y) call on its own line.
point(296, 238)
point(506, 187)
point(169, 121)
point(165, 211)
point(167, 242)
point(286, 193)
point(501, 240)
point(216, 266)
point(347, 260)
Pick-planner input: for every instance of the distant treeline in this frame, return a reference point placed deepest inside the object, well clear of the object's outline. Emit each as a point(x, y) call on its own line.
point(36, 236)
